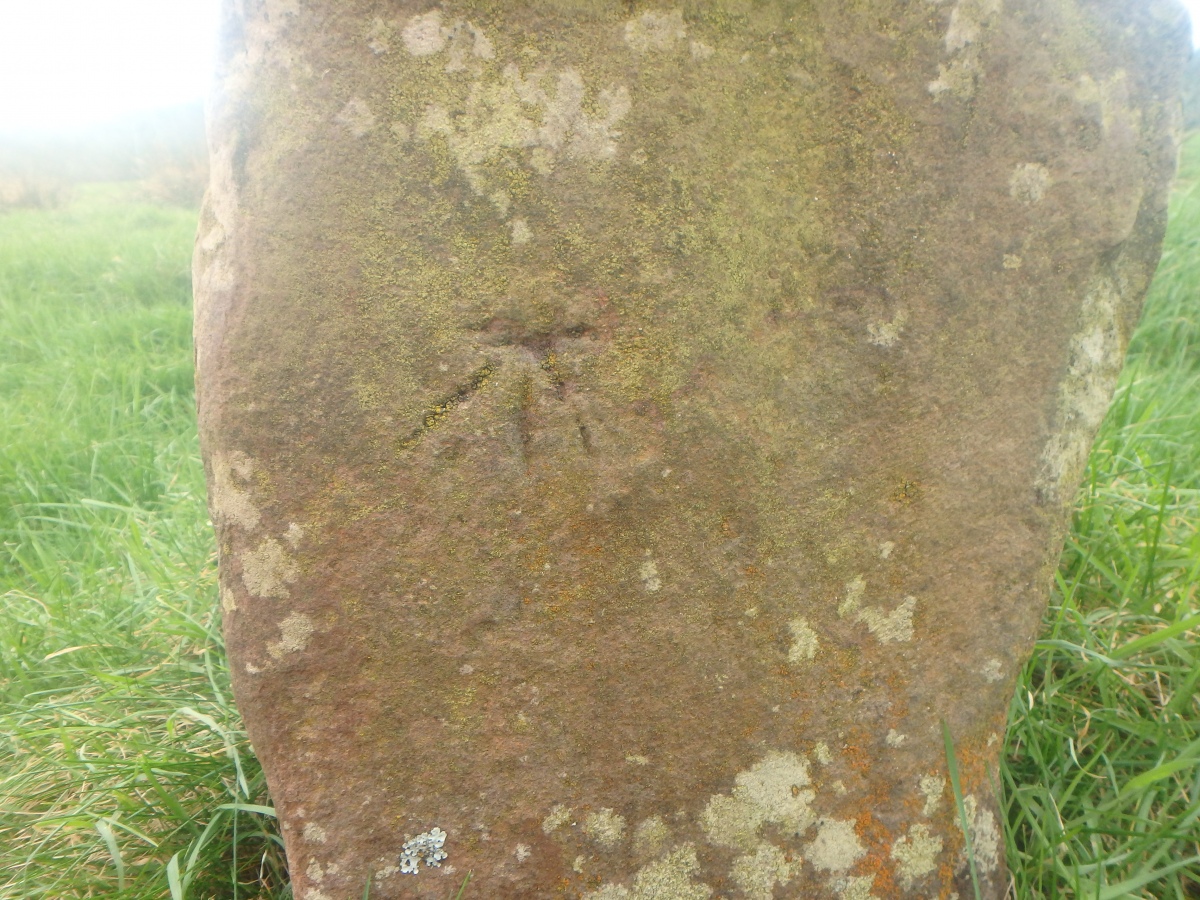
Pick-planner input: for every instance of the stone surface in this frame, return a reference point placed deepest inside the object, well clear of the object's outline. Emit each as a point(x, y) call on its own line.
point(633, 429)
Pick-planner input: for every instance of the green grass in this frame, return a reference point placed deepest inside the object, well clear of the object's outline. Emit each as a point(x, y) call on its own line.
point(124, 771)
point(1102, 773)
point(119, 743)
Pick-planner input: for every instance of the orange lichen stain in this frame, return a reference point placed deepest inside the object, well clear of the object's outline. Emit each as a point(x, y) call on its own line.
point(878, 861)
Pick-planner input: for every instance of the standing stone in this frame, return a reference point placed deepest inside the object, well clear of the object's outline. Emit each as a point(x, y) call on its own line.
point(633, 429)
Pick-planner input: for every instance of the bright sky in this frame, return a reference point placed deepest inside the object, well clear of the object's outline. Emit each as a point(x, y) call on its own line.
point(68, 63)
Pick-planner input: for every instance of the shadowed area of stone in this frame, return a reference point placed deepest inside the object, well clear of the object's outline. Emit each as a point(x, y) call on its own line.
point(632, 430)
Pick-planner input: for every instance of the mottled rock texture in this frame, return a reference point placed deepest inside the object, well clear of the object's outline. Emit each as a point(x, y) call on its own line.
point(632, 429)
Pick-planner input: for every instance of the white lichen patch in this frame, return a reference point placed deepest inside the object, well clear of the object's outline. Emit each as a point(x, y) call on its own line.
point(314, 833)
point(853, 888)
point(822, 753)
point(315, 871)
point(774, 791)
point(959, 76)
point(648, 572)
point(886, 549)
point(916, 854)
point(604, 827)
point(836, 847)
point(985, 835)
point(887, 334)
point(293, 535)
point(316, 894)
point(560, 815)
point(651, 836)
point(424, 34)
point(356, 117)
point(932, 787)
point(232, 504)
point(1028, 183)
point(520, 231)
point(992, 671)
point(758, 873)
point(512, 112)
point(895, 739)
point(655, 31)
point(295, 633)
point(522, 852)
point(269, 569)
point(669, 878)
point(804, 642)
point(637, 759)
point(896, 625)
point(1086, 391)
point(379, 37)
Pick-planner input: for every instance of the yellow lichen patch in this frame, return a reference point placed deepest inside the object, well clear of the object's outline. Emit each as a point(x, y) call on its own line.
point(758, 873)
point(774, 791)
point(916, 854)
point(267, 570)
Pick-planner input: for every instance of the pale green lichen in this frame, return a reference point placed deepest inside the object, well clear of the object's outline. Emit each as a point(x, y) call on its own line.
point(655, 31)
point(963, 41)
point(774, 791)
point(604, 827)
point(916, 854)
point(1086, 391)
point(887, 627)
point(295, 633)
point(648, 572)
point(758, 873)
point(985, 835)
point(651, 836)
point(559, 816)
point(314, 833)
point(268, 569)
point(356, 117)
point(1029, 182)
point(836, 847)
point(232, 504)
point(669, 878)
point(804, 642)
point(887, 334)
point(822, 753)
point(853, 888)
point(932, 787)
point(895, 739)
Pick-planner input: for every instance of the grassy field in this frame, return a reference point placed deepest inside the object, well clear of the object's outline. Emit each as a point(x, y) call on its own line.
point(123, 768)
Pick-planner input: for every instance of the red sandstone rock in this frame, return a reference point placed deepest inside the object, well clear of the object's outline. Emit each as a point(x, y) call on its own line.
point(632, 430)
